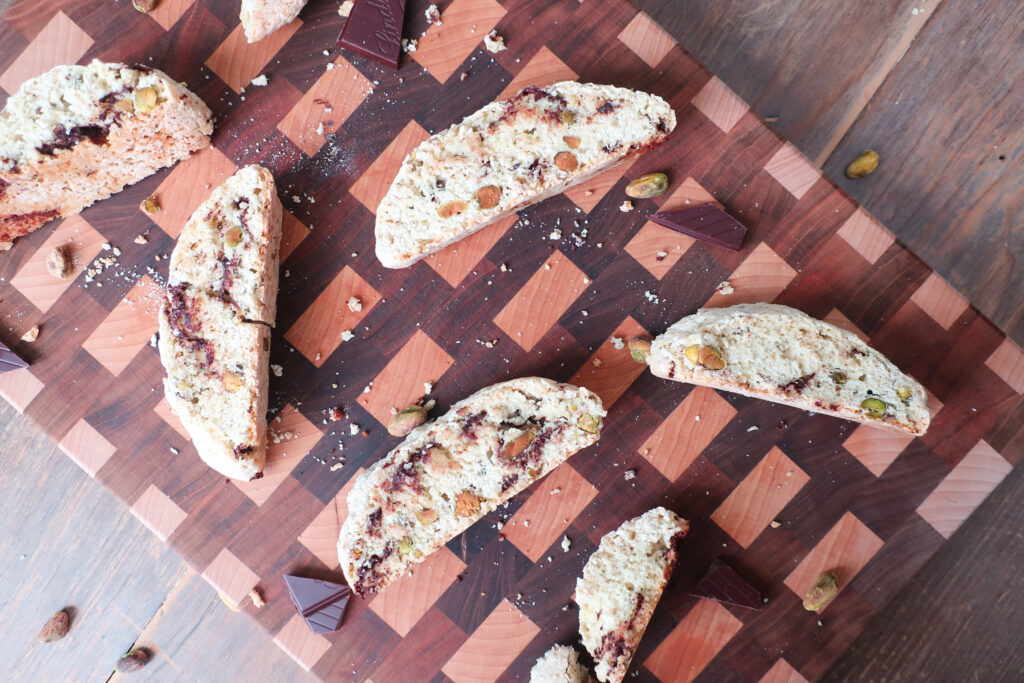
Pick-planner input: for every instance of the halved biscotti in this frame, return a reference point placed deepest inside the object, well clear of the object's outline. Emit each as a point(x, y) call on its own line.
point(621, 585)
point(508, 155)
point(783, 355)
point(78, 134)
point(217, 379)
point(560, 664)
point(449, 473)
point(230, 246)
point(260, 18)
point(215, 323)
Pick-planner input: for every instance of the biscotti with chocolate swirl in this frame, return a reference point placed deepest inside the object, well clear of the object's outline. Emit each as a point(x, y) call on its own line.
point(78, 134)
point(509, 155)
point(449, 473)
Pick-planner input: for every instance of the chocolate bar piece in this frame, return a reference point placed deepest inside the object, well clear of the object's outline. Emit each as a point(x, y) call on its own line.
point(9, 360)
point(722, 583)
point(707, 223)
point(321, 603)
point(374, 30)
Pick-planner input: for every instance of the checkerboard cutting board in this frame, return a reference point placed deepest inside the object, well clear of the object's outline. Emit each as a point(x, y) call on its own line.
point(333, 129)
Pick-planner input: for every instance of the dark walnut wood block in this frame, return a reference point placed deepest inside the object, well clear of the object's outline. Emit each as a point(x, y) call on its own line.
point(871, 506)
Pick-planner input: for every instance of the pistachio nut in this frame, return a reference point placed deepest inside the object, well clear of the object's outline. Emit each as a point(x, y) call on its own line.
point(149, 205)
point(864, 164)
point(488, 196)
point(824, 590)
point(404, 421)
point(452, 209)
point(646, 186)
point(639, 349)
point(591, 424)
point(426, 516)
point(145, 100)
point(874, 407)
point(838, 377)
point(566, 161)
point(903, 392)
point(710, 357)
point(518, 444)
point(233, 237)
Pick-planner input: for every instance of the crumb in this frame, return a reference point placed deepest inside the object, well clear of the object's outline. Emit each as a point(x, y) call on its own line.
point(408, 45)
point(320, 128)
point(556, 234)
point(427, 387)
point(174, 451)
point(587, 193)
point(775, 524)
point(346, 8)
point(464, 75)
point(617, 343)
point(629, 475)
point(433, 15)
point(526, 522)
point(555, 491)
point(724, 288)
point(597, 362)
point(141, 239)
point(505, 268)
point(31, 335)
point(650, 296)
point(626, 206)
point(353, 429)
point(752, 428)
point(257, 599)
point(566, 544)
point(260, 81)
point(346, 335)
point(334, 414)
point(354, 304)
point(153, 340)
point(277, 370)
point(493, 42)
point(661, 255)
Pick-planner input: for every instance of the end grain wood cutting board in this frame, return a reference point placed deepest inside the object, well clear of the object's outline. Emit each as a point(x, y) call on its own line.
point(872, 505)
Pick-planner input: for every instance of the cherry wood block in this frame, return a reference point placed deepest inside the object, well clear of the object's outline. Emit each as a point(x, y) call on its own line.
point(81, 243)
point(694, 424)
point(321, 536)
point(694, 642)
point(782, 672)
point(542, 301)
point(237, 62)
point(464, 23)
point(403, 603)
point(481, 657)
point(543, 68)
point(542, 520)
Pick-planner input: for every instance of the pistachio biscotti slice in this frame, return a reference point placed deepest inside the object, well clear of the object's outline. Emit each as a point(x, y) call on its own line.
point(78, 134)
point(783, 355)
point(215, 322)
point(621, 585)
point(260, 18)
point(560, 664)
point(449, 473)
point(508, 155)
point(230, 246)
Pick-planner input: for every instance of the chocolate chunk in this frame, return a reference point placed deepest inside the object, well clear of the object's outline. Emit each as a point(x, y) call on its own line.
point(374, 30)
point(722, 583)
point(707, 223)
point(321, 603)
point(9, 360)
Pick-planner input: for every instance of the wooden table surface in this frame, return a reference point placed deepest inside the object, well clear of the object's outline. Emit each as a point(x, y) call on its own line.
point(933, 85)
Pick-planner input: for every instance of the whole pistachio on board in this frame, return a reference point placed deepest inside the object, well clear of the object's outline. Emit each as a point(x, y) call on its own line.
point(55, 628)
point(132, 662)
point(863, 165)
point(647, 186)
point(824, 590)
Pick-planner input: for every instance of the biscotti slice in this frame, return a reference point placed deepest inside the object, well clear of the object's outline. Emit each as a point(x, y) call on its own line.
point(783, 355)
point(260, 18)
point(78, 134)
point(508, 155)
point(560, 664)
point(230, 246)
point(217, 379)
point(621, 585)
point(449, 473)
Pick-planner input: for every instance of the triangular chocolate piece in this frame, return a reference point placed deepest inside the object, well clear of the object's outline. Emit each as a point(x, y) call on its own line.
point(707, 223)
point(722, 583)
point(9, 360)
point(321, 603)
point(374, 29)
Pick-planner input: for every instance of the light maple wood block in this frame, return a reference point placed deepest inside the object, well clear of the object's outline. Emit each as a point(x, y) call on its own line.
point(238, 62)
point(647, 39)
point(404, 602)
point(693, 643)
point(694, 424)
point(492, 646)
point(400, 383)
point(371, 187)
point(610, 371)
point(760, 278)
point(539, 304)
point(561, 495)
point(464, 23)
point(720, 104)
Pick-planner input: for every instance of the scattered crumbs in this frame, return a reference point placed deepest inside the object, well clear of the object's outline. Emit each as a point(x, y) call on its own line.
point(353, 429)
point(650, 296)
point(259, 81)
point(106, 246)
point(629, 475)
point(141, 239)
point(346, 8)
point(464, 75)
point(433, 15)
point(724, 288)
point(408, 45)
point(626, 206)
point(354, 304)
point(775, 524)
point(296, 199)
point(587, 193)
point(556, 234)
point(752, 428)
point(547, 266)
point(566, 544)
point(277, 370)
point(617, 343)
point(346, 335)
point(493, 42)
